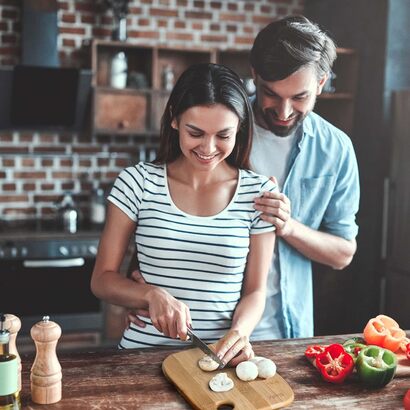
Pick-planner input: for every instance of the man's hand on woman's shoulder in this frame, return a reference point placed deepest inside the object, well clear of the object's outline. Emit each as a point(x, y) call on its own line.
point(276, 209)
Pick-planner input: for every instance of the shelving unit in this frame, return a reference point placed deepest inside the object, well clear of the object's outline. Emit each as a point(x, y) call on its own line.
point(237, 60)
point(338, 106)
point(137, 109)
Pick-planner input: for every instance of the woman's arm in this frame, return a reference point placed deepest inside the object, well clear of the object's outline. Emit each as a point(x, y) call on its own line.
point(106, 282)
point(168, 315)
point(250, 308)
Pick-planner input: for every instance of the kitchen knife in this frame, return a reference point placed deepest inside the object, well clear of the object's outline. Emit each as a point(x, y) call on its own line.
point(204, 347)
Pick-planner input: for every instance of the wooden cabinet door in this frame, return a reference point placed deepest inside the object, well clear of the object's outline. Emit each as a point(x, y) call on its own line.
point(125, 112)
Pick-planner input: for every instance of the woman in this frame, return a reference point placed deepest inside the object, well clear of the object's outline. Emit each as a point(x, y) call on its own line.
point(202, 249)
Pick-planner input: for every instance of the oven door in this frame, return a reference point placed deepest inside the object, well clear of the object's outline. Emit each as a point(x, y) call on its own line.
point(59, 288)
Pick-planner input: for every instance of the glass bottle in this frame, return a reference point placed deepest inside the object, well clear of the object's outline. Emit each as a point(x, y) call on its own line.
point(70, 214)
point(9, 393)
point(97, 208)
point(168, 78)
point(119, 67)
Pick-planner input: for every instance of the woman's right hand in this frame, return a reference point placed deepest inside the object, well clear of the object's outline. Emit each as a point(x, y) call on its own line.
point(168, 315)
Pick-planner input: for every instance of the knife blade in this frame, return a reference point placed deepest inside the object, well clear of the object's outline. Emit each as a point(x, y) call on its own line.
point(205, 348)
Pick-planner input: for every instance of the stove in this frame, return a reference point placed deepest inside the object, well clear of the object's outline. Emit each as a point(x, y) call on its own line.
point(45, 271)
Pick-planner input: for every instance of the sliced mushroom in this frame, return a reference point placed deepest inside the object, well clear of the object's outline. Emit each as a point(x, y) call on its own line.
point(207, 364)
point(247, 371)
point(266, 368)
point(221, 382)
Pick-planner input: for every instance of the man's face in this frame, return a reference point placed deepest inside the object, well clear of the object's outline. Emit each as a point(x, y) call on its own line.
point(282, 105)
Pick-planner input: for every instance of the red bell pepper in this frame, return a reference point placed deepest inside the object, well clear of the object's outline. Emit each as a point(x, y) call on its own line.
point(406, 400)
point(334, 364)
point(313, 350)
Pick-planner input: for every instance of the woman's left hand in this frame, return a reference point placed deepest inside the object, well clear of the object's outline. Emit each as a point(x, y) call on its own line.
point(234, 348)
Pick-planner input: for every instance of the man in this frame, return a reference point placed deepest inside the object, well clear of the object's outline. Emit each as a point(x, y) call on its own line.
point(315, 167)
point(312, 161)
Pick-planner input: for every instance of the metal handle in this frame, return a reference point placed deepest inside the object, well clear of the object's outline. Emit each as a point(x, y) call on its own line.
point(55, 263)
point(385, 217)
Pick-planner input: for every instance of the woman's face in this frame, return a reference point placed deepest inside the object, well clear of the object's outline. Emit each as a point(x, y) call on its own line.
point(207, 134)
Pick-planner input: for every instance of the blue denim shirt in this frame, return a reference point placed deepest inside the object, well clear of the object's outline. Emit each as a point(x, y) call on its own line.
point(323, 187)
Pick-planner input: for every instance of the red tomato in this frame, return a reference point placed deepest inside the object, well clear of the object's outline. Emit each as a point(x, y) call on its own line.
point(408, 350)
point(406, 400)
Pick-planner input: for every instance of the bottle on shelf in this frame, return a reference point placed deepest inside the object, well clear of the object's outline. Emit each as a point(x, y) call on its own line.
point(46, 387)
point(119, 67)
point(328, 86)
point(168, 78)
point(9, 393)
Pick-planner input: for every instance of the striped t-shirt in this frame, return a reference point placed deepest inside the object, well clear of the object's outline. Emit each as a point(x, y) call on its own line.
point(200, 260)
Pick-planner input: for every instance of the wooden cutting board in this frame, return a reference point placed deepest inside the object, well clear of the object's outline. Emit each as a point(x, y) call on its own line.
point(182, 369)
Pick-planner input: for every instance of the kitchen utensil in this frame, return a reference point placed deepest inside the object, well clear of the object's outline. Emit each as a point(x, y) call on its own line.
point(198, 342)
point(183, 371)
point(46, 386)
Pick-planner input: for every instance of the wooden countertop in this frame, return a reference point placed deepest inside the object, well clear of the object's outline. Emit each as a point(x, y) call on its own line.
point(132, 379)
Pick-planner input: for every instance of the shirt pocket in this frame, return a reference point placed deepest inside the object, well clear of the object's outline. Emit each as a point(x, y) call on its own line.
point(315, 196)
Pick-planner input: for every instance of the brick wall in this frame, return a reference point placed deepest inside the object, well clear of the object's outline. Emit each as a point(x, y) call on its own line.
point(36, 168)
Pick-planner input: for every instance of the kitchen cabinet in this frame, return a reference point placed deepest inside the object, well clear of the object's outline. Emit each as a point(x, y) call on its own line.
point(376, 282)
point(396, 234)
point(236, 60)
point(131, 379)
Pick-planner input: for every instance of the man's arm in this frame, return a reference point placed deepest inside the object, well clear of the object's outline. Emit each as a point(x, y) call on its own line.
point(320, 246)
point(316, 245)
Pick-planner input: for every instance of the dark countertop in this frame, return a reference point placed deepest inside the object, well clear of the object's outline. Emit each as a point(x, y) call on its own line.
point(133, 379)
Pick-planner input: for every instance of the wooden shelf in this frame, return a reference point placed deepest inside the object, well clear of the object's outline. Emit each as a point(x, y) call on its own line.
point(338, 106)
point(138, 111)
point(133, 110)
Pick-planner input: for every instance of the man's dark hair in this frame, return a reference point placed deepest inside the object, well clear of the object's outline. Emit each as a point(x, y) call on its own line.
point(207, 84)
point(284, 46)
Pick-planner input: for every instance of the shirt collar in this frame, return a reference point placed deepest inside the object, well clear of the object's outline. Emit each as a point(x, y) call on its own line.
point(308, 125)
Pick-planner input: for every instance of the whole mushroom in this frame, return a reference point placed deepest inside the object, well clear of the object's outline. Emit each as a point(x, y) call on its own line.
point(266, 368)
point(247, 371)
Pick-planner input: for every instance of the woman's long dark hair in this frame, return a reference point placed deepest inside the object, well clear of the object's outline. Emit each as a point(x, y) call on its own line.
point(206, 85)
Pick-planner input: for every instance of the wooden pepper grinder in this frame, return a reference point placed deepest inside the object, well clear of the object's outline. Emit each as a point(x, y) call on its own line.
point(13, 324)
point(46, 370)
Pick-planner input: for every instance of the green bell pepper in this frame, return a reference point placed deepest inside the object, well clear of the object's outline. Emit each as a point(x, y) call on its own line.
point(376, 366)
point(354, 349)
point(354, 339)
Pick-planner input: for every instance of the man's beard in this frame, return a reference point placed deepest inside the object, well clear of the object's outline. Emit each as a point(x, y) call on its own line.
point(281, 131)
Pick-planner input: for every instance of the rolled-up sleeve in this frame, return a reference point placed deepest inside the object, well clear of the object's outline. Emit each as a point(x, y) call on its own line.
point(340, 216)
